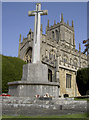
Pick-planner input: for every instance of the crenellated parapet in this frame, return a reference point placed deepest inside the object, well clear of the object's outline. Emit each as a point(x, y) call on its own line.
point(60, 36)
point(57, 51)
point(61, 31)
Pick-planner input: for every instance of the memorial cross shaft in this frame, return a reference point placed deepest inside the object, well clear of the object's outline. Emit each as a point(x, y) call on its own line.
point(36, 42)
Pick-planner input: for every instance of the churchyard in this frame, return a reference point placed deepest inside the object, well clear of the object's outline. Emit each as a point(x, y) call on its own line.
point(15, 106)
point(34, 95)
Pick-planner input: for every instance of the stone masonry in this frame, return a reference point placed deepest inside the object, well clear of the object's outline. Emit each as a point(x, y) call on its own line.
point(28, 106)
point(35, 75)
point(59, 53)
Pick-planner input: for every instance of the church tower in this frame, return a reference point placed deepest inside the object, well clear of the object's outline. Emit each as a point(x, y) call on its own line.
point(62, 32)
point(59, 53)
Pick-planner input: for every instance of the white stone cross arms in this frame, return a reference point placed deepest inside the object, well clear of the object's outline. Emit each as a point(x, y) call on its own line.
point(36, 42)
point(38, 10)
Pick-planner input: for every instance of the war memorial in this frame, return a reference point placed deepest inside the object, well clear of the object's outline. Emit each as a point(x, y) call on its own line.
point(50, 72)
point(54, 54)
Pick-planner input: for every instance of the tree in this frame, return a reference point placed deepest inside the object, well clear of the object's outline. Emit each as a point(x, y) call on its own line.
point(82, 80)
point(11, 70)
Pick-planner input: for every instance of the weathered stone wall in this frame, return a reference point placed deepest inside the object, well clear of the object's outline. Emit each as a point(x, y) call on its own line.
point(70, 59)
point(63, 89)
point(66, 33)
point(27, 89)
point(32, 106)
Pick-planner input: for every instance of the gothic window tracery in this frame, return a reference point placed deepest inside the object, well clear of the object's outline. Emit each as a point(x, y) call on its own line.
point(57, 35)
point(46, 53)
point(49, 75)
point(75, 62)
point(28, 56)
point(70, 60)
point(84, 64)
point(65, 59)
point(52, 55)
point(53, 36)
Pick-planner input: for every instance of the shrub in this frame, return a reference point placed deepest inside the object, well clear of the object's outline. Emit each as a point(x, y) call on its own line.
point(82, 80)
point(11, 70)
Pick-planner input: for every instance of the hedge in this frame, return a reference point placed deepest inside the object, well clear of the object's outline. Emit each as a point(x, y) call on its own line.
point(82, 80)
point(11, 70)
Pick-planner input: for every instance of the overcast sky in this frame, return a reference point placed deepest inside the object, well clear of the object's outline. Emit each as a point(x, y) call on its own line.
point(15, 21)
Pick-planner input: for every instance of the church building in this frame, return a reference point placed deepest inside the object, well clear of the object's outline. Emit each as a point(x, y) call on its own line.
point(59, 53)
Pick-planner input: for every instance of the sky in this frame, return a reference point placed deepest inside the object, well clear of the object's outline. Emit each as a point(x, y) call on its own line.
point(88, 20)
point(15, 21)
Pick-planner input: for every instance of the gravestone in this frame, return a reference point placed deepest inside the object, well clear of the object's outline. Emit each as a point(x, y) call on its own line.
point(35, 75)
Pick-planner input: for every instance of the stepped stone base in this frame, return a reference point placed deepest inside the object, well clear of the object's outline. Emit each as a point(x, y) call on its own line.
point(29, 106)
point(34, 82)
point(30, 89)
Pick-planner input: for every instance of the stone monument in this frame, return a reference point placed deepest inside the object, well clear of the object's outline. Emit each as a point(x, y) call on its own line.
point(35, 75)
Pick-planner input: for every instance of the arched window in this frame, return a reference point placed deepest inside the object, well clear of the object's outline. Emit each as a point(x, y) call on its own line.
point(28, 55)
point(52, 55)
point(70, 60)
point(84, 64)
point(65, 59)
point(49, 75)
point(75, 62)
point(57, 36)
point(53, 36)
point(46, 53)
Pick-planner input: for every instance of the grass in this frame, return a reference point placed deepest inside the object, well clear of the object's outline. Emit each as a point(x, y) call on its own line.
point(87, 99)
point(52, 116)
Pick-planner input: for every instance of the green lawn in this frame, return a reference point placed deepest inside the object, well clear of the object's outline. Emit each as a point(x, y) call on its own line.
point(52, 116)
point(81, 99)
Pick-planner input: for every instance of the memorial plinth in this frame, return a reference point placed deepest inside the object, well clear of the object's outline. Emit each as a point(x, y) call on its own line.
point(36, 72)
point(35, 75)
point(34, 82)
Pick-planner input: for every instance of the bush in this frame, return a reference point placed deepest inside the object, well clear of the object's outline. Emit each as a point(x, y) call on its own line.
point(82, 80)
point(11, 70)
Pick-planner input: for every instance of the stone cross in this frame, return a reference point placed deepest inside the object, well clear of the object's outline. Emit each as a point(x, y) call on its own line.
point(36, 42)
